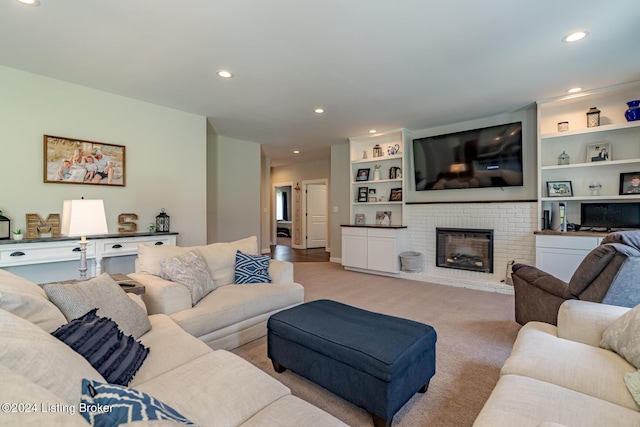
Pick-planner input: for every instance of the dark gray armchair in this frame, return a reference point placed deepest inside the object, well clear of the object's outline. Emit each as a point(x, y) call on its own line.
point(609, 274)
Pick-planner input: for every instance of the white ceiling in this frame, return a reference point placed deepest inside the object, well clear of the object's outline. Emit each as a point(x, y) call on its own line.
point(370, 63)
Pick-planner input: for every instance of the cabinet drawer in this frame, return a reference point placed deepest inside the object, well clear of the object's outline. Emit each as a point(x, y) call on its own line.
point(568, 242)
point(12, 255)
point(129, 246)
point(354, 231)
point(383, 232)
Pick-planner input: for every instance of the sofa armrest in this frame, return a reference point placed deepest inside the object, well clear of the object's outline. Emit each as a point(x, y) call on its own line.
point(584, 321)
point(162, 296)
point(526, 274)
point(280, 271)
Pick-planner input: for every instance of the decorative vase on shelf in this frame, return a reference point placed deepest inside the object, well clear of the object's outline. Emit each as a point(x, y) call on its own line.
point(376, 173)
point(633, 113)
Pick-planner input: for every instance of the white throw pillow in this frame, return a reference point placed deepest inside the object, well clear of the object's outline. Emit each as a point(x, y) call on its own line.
point(623, 336)
point(27, 300)
point(191, 271)
point(149, 257)
point(102, 292)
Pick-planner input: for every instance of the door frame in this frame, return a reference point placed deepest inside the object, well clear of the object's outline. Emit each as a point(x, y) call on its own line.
point(303, 227)
point(274, 222)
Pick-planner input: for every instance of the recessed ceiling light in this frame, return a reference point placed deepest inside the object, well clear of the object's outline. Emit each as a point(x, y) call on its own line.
point(575, 36)
point(29, 2)
point(319, 110)
point(574, 90)
point(224, 74)
point(373, 131)
point(296, 151)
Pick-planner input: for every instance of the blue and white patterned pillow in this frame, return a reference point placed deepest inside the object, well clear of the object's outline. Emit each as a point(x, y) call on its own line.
point(252, 268)
point(108, 405)
point(116, 356)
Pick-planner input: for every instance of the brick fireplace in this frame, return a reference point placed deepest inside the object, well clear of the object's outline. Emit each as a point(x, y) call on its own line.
point(465, 249)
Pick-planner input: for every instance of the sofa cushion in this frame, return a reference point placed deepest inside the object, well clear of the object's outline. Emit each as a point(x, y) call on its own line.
point(221, 308)
point(149, 257)
point(189, 389)
point(170, 346)
point(27, 300)
point(291, 411)
point(33, 353)
point(538, 353)
point(76, 299)
point(35, 402)
point(117, 357)
point(623, 336)
point(251, 268)
point(523, 401)
point(190, 270)
point(125, 405)
point(221, 258)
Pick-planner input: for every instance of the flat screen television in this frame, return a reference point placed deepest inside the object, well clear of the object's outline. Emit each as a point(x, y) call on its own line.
point(486, 157)
point(609, 216)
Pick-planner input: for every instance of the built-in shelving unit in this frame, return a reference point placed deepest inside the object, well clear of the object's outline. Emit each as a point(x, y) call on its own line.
point(624, 137)
point(392, 146)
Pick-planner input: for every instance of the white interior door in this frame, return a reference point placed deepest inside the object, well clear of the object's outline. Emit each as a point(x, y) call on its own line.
point(316, 215)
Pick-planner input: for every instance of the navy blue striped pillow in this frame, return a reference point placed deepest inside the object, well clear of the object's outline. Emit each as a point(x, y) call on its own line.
point(117, 357)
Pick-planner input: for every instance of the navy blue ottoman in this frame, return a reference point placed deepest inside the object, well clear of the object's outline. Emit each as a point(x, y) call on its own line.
point(375, 361)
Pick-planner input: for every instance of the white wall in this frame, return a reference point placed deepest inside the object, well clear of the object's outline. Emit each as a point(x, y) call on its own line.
point(165, 153)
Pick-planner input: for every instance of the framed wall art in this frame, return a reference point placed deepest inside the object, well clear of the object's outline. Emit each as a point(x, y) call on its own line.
point(559, 189)
point(76, 161)
point(630, 183)
point(395, 195)
point(363, 194)
point(599, 151)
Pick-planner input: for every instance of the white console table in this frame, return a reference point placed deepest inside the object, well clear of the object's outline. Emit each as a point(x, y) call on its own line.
point(58, 258)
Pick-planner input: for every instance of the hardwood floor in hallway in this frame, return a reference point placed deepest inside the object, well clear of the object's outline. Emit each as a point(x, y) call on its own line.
point(287, 253)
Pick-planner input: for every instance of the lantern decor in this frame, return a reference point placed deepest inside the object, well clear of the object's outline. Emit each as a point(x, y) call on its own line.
point(593, 117)
point(5, 227)
point(377, 151)
point(162, 221)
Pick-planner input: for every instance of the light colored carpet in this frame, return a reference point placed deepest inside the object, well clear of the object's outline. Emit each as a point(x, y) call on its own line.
point(476, 331)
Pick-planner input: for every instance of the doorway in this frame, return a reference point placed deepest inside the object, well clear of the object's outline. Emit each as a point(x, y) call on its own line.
point(283, 214)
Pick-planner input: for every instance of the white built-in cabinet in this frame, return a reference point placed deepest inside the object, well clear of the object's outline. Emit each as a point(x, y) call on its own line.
point(561, 253)
point(374, 242)
point(374, 249)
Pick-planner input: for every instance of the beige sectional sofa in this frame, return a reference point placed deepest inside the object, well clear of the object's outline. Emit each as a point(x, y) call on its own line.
point(209, 387)
point(229, 316)
point(560, 376)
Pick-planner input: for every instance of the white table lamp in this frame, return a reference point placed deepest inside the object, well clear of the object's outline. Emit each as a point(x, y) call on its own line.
point(83, 218)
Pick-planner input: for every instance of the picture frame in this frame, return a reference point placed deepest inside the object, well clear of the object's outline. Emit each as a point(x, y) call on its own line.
point(395, 195)
point(383, 217)
point(599, 152)
point(77, 161)
point(559, 189)
point(630, 183)
point(359, 219)
point(373, 199)
point(363, 174)
point(363, 194)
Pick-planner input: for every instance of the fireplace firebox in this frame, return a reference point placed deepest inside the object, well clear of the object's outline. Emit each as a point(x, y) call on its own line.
point(465, 249)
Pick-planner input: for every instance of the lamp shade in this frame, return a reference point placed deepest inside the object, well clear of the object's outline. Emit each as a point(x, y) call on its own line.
point(83, 218)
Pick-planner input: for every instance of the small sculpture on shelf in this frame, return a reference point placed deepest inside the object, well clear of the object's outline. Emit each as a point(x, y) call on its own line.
point(563, 159)
point(595, 188)
point(593, 117)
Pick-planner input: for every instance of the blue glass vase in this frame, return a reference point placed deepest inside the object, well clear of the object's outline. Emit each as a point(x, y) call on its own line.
point(633, 113)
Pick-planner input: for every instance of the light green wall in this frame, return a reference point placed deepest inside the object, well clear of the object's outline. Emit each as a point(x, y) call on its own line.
point(165, 153)
point(340, 182)
point(234, 187)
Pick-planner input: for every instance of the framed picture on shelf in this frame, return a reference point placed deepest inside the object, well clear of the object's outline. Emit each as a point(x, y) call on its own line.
point(630, 183)
point(363, 194)
point(559, 189)
point(599, 151)
point(359, 219)
point(363, 174)
point(383, 218)
point(395, 195)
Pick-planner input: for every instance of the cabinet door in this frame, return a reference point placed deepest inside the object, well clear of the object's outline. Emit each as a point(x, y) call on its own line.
point(354, 251)
point(382, 254)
